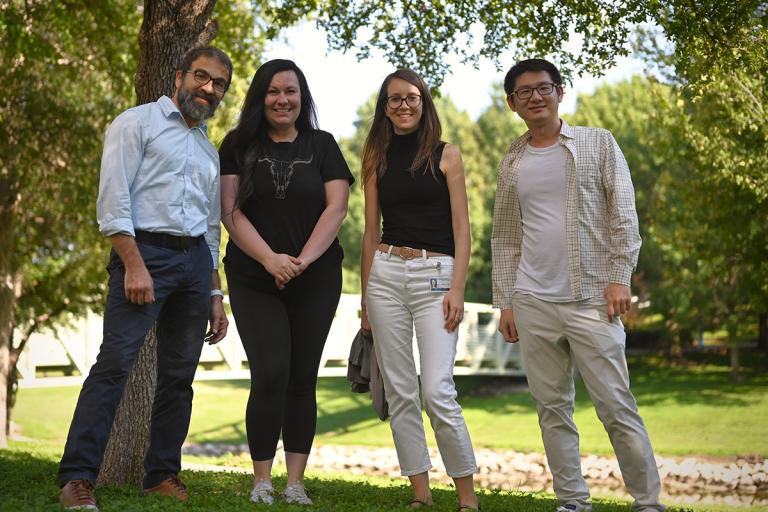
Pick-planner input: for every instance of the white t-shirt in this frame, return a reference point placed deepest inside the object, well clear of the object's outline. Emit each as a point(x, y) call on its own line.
point(541, 189)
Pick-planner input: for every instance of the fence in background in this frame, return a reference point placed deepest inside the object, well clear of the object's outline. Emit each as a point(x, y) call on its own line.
point(65, 358)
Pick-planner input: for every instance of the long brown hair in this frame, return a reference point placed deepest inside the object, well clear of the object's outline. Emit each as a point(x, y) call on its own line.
point(251, 133)
point(380, 134)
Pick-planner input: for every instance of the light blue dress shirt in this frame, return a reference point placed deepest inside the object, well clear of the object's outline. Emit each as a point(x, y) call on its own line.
point(157, 174)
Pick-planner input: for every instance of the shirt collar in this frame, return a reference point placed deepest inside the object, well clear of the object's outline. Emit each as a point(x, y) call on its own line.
point(566, 131)
point(169, 108)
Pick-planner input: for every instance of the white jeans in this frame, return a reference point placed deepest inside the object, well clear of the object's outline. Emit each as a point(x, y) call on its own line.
point(400, 295)
point(554, 336)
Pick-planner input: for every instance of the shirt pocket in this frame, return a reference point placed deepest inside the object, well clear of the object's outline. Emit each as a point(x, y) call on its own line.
point(589, 176)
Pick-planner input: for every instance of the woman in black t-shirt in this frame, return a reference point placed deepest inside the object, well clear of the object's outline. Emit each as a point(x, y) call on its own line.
point(284, 192)
point(413, 274)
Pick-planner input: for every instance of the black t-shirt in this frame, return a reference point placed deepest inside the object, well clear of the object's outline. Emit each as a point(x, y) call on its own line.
point(288, 197)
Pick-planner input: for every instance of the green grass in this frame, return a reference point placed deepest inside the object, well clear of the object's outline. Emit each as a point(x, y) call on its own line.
point(689, 410)
point(27, 482)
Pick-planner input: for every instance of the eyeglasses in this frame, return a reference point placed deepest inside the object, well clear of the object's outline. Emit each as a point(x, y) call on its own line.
point(412, 100)
point(525, 93)
point(219, 84)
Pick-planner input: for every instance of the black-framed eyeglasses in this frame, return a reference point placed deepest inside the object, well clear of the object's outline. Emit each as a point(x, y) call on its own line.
point(412, 100)
point(525, 93)
point(220, 85)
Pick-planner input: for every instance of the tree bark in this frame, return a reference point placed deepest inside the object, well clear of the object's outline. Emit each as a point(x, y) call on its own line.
point(9, 200)
point(735, 354)
point(4, 423)
point(762, 333)
point(170, 28)
point(735, 363)
point(129, 439)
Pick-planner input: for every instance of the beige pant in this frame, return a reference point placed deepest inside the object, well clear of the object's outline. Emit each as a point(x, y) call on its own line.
point(554, 337)
point(402, 295)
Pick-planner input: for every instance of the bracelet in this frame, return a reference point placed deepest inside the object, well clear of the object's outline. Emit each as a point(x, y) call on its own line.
point(217, 292)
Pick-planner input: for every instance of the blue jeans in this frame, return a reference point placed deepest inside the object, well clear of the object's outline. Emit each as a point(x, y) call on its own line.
point(182, 285)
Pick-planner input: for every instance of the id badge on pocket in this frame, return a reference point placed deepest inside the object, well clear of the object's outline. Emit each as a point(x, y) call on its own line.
point(439, 284)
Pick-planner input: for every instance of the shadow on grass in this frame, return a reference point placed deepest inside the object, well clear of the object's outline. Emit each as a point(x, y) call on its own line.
point(362, 416)
point(229, 384)
point(705, 379)
point(656, 380)
point(237, 428)
point(28, 482)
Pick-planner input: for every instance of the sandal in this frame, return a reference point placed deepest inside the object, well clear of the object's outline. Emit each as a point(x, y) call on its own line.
point(418, 503)
point(468, 507)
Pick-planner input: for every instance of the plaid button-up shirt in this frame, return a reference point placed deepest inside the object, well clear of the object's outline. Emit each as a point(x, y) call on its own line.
point(602, 233)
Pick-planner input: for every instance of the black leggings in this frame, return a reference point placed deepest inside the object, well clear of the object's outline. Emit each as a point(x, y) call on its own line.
point(283, 333)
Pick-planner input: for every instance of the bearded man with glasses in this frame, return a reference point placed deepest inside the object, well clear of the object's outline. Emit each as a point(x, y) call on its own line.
point(565, 243)
point(159, 204)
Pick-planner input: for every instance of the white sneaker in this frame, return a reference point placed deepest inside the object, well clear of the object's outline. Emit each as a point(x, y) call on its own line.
point(263, 492)
point(296, 494)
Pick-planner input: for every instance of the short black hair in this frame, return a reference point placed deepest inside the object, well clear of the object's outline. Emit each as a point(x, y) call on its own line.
point(530, 65)
point(205, 51)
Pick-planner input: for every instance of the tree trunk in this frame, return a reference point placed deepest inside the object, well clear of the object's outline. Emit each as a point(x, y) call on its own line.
point(170, 28)
point(128, 442)
point(4, 354)
point(735, 363)
point(9, 200)
point(735, 354)
point(11, 385)
point(762, 333)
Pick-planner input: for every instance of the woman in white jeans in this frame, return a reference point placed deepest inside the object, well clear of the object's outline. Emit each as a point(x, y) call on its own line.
point(413, 275)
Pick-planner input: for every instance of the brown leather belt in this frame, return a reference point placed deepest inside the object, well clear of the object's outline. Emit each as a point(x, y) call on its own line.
point(407, 253)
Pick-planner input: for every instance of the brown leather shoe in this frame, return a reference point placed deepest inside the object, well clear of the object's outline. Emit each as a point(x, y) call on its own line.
point(78, 495)
point(171, 486)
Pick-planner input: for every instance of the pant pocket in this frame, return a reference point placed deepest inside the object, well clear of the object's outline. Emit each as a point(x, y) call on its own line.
point(440, 278)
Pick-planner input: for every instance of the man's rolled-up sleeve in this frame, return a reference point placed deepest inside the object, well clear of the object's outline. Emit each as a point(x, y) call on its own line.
point(120, 162)
point(213, 234)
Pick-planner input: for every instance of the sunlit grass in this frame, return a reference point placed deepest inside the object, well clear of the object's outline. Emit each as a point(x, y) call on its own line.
point(693, 409)
point(28, 483)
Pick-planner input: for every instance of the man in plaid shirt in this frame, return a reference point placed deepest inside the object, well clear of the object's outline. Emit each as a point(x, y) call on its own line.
point(565, 242)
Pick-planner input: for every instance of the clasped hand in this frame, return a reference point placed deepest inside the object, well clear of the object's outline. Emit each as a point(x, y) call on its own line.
point(284, 267)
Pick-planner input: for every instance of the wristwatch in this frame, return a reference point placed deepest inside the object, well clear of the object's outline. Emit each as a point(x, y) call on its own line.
point(216, 292)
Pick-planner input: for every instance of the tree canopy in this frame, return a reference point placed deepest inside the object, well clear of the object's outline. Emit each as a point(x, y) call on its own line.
point(422, 34)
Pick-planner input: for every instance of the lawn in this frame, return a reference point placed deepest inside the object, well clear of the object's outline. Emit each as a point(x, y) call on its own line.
point(27, 483)
point(689, 410)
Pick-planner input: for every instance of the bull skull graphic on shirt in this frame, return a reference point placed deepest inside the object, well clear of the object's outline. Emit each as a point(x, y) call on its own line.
point(282, 171)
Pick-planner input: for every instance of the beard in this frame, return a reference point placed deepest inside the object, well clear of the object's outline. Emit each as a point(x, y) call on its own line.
point(197, 111)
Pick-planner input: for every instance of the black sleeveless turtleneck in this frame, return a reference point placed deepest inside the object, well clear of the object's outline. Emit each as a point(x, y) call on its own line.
point(415, 203)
